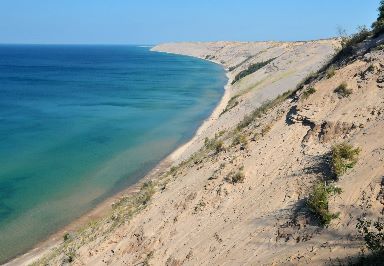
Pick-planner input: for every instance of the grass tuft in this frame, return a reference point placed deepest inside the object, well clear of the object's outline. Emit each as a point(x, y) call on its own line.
point(214, 144)
point(235, 177)
point(239, 139)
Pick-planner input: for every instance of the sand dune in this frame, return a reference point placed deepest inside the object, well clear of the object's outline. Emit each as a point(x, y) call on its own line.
point(241, 199)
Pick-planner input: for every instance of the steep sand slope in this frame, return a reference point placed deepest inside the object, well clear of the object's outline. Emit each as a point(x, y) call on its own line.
point(199, 217)
point(291, 63)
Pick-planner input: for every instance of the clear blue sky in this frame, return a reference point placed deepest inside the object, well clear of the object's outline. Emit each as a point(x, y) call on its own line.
point(154, 21)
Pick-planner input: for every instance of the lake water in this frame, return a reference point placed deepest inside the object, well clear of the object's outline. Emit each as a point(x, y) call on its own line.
point(79, 123)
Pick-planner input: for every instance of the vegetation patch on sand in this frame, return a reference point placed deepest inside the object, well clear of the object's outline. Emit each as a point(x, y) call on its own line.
point(251, 69)
point(343, 91)
point(259, 112)
point(318, 202)
point(344, 157)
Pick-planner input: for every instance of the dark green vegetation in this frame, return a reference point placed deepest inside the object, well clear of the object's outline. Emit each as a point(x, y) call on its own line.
point(378, 25)
point(344, 157)
point(66, 236)
point(318, 202)
point(348, 41)
point(342, 90)
point(251, 69)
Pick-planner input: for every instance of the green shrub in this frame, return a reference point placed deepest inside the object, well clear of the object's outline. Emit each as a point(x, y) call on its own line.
point(234, 178)
point(251, 69)
point(344, 157)
point(318, 202)
point(378, 25)
point(239, 139)
point(66, 236)
point(343, 91)
point(214, 144)
point(349, 42)
point(373, 233)
point(308, 91)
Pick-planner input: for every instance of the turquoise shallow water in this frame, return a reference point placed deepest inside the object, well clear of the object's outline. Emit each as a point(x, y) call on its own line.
point(79, 123)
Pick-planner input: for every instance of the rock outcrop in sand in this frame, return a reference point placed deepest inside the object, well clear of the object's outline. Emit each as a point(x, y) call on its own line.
point(240, 198)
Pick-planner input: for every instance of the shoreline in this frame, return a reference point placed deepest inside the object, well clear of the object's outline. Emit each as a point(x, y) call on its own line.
point(178, 152)
point(51, 241)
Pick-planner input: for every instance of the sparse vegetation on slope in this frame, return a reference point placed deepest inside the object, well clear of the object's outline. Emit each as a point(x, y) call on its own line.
point(214, 144)
point(233, 102)
point(240, 139)
point(259, 112)
point(309, 91)
point(122, 211)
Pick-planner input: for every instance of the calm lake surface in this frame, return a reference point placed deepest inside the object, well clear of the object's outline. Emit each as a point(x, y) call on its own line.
point(79, 123)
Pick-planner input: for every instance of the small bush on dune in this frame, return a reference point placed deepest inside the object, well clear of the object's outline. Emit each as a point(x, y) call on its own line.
point(66, 236)
point(343, 91)
point(378, 25)
point(318, 202)
point(214, 144)
point(234, 178)
point(344, 157)
point(373, 233)
point(240, 139)
point(307, 92)
point(348, 42)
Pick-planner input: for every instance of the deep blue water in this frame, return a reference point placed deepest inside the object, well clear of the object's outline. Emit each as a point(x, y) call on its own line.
point(78, 123)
